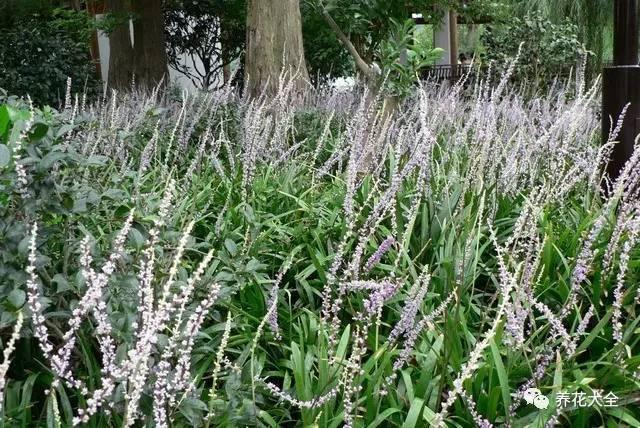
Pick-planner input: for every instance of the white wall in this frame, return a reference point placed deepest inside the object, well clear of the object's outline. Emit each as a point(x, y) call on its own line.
point(174, 75)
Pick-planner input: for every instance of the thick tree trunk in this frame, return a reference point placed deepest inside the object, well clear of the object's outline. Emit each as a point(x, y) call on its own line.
point(94, 50)
point(150, 64)
point(274, 45)
point(120, 50)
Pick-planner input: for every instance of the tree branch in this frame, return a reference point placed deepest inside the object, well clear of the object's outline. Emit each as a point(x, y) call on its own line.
point(360, 63)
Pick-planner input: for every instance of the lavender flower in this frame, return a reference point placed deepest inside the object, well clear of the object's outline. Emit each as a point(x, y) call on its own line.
point(273, 314)
point(6, 356)
point(414, 302)
point(314, 403)
point(218, 365)
point(380, 252)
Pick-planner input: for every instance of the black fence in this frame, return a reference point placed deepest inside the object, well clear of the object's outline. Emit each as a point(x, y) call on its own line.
point(446, 72)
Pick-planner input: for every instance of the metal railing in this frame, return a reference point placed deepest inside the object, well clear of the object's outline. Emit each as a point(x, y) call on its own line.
point(446, 72)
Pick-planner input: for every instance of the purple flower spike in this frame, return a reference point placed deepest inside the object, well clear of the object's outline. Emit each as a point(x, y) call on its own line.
point(381, 251)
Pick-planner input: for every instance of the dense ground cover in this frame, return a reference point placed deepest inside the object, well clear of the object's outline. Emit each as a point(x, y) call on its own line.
point(219, 261)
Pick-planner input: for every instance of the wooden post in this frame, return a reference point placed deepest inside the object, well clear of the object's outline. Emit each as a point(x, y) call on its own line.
point(621, 86)
point(625, 36)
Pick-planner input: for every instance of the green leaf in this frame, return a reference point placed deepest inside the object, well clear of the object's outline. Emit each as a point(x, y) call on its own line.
point(545, 415)
point(192, 409)
point(266, 417)
point(65, 404)
point(23, 246)
point(414, 413)
point(64, 129)
point(17, 298)
point(382, 417)
point(5, 155)
point(17, 114)
point(61, 282)
point(115, 194)
point(231, 246)
point(342, 345)
point(624, 415)
point(408, 384)
point(26, 400)
point(4, 120)
point(594, 333)
point(502, 374)
point(253, 266)
point(52, 411)
point(79, 205)
point(96, 160)
point(50, 159)
point(136, 237)
point(39, 130)
point(299, 372)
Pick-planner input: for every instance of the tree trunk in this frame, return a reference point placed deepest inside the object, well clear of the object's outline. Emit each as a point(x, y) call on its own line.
point(150, 63)
point(226, 73)
point(224, 52)
point(274, 45)
point(94, 50)
point(120, 50)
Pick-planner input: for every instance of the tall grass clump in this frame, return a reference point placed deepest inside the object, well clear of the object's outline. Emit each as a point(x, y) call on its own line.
point(216, 260)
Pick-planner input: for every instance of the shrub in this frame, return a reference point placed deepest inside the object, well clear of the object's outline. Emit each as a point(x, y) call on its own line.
point(548, 50)
point(39, 53)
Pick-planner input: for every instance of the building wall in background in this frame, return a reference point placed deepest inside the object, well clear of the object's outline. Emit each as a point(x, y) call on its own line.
point(175, 76)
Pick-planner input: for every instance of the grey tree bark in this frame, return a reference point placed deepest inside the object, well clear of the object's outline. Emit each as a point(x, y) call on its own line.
point(120, 50)
point(150, 63)
point(274, 45)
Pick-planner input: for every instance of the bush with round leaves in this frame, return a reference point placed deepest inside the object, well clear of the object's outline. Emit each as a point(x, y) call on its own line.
point(39, 53)
point(548, 50)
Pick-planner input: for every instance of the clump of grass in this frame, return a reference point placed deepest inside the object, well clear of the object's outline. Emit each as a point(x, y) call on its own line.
point(421, 269)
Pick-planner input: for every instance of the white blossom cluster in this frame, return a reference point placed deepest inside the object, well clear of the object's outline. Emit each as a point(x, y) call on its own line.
point(148, 365)
point(6, 355)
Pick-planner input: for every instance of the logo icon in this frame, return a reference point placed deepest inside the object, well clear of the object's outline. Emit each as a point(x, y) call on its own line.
point(534, 396)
